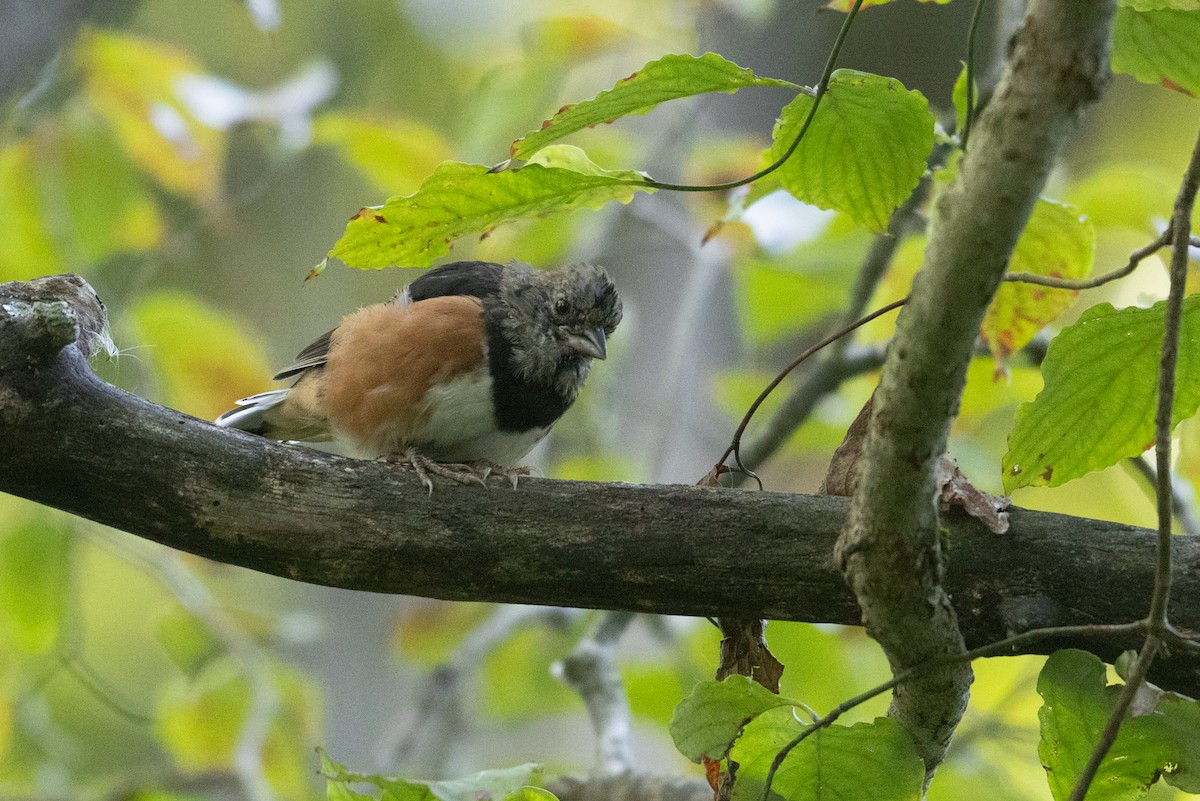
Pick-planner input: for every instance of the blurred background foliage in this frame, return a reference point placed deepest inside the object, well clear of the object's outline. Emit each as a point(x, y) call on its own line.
point(194, 160)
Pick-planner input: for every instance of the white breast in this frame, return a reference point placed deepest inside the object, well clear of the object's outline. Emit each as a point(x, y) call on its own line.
point(462, 425)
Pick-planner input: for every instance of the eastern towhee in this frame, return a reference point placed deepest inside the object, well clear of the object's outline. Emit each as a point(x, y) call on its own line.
point(460, 374)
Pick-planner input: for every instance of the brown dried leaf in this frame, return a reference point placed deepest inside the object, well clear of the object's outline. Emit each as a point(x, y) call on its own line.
point(744, 652)
point(713, 477)
point(956, 490)
point(842, 476)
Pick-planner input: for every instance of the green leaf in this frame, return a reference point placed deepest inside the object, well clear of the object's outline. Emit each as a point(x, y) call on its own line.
point(1125, 195)
point(1076, 706)
point(506, 98)
point(1179, 721)
point(1160, 47)
point(1097, 406)
point(707, 722)
point(959, 96)
point(517, 680)
point(427, 635)
point(34, 574)
point(461, 198)
point(669, 78)
point(865, 150)
point(187, 642)
point(1058, 241)
point(109, 209)
point(780, 302)
point(786, 294)
point(69, 196)
point(572, 39)
point(530, 794)
point(507, 783)
point(866, 762)
point(6, 724)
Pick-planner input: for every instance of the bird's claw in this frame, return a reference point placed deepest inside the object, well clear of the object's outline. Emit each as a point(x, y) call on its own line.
point(422, 465)
point(485, 468)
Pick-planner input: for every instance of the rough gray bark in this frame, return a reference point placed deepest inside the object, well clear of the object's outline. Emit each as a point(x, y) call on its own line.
point(891, 548)
point(79, 444)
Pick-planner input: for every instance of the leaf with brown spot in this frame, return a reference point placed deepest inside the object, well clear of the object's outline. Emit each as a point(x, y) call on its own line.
point(461, 199)
point(1057, 241)
point(1098, 403)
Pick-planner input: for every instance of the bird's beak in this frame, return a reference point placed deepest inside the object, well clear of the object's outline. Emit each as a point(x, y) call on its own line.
point(589, 343)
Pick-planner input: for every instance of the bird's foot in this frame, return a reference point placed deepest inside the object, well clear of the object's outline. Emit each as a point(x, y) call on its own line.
point(422, 465)
point(486, 468)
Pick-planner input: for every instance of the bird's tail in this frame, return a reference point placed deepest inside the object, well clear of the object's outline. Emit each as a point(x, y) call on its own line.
point(295, 414)
point(250, 413)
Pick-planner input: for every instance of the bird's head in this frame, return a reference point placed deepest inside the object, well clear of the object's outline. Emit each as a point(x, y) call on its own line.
point(558, 321)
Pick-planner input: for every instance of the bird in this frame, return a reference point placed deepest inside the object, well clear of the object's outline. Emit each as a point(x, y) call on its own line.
point(461, 374)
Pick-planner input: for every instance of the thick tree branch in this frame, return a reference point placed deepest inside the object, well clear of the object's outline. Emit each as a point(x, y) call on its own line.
point(79, 444)
point(891, 548)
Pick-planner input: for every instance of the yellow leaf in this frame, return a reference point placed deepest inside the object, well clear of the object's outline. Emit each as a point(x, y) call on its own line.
point(395, 154)
point(201, 724)
point(35, 567)
point(26, 250)
point(563, 39)
point(131, 82)
point(1058, 242)
point(204, 358)
point(6, 727)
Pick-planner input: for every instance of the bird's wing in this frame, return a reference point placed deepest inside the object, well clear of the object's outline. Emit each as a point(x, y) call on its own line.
point(315, 355)
point(476, 279)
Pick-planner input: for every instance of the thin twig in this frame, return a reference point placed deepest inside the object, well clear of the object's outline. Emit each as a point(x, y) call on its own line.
point(1135, 258)
point(820, 382)
point(1182, 497)
point(735, 446)
point(1181, 224)
point(837, 367)
point(1113, 726)
point(1157, 619)
point(818, 93)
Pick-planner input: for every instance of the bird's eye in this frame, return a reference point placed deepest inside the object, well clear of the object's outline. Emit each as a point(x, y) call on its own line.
point(561, 307)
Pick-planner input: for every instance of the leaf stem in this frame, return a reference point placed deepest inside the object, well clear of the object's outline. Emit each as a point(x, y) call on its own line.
point(905, 221)
point(969, 117)
point(818, 93)
point(735, 446)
